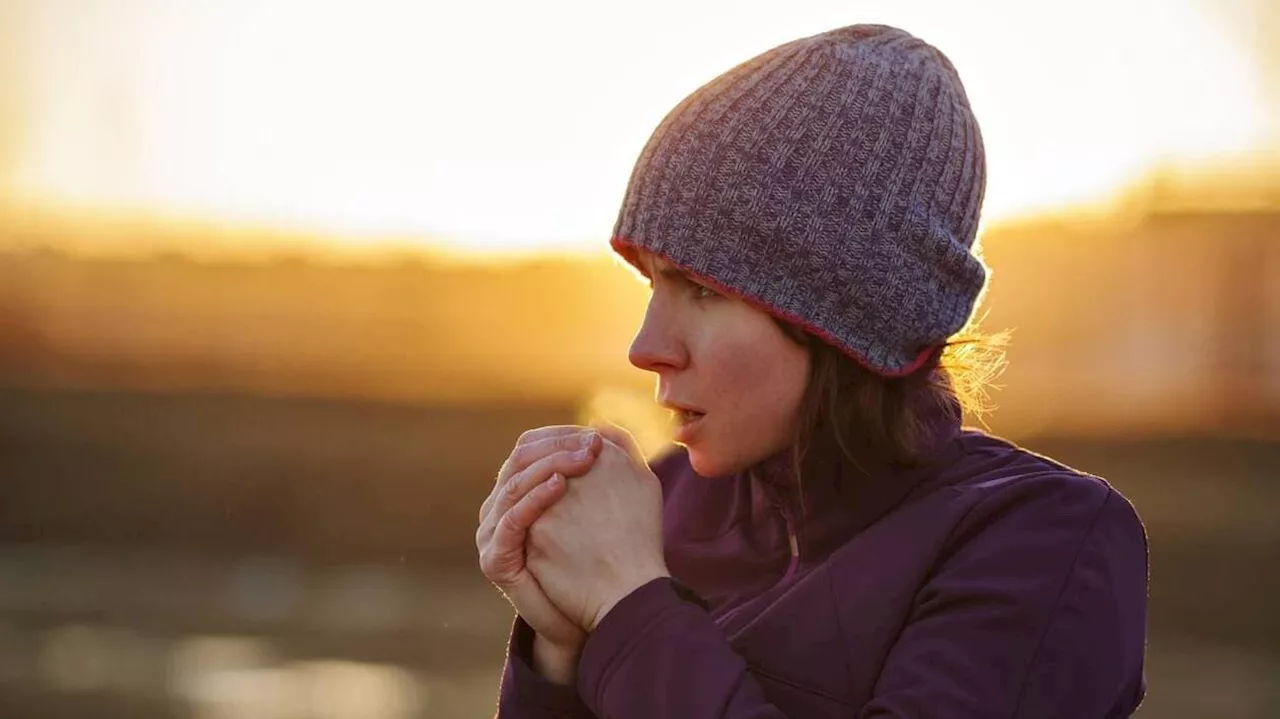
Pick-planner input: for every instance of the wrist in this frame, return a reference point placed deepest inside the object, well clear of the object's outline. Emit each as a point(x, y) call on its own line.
point(624, 589)
point(556, 663)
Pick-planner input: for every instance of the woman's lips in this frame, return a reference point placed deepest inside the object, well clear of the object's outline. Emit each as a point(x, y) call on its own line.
point(687, 425)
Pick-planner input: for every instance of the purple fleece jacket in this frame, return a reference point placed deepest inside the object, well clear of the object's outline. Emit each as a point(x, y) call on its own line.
point(990, 582)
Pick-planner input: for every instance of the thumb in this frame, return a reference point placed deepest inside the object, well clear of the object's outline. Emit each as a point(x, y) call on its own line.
point(529, 599)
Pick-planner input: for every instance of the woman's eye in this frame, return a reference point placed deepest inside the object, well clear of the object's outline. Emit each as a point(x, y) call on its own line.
point(703, 292)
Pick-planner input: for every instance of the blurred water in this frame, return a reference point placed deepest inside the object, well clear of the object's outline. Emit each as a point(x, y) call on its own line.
point(254, 638)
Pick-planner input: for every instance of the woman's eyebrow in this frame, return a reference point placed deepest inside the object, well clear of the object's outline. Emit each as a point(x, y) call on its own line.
point(673, 273)
point(667, 272)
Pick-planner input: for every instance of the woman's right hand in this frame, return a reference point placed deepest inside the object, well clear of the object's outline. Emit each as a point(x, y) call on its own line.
point(523, 491)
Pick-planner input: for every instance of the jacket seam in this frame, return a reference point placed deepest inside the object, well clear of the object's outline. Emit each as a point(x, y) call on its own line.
point(844, 634)
point(1057, 602)
point(930, 571)
point(795, 685)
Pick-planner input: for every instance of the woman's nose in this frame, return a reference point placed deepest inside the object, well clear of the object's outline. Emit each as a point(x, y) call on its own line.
point(657, 346)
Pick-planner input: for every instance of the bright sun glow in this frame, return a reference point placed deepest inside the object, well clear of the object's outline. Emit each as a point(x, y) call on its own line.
point(513, 125)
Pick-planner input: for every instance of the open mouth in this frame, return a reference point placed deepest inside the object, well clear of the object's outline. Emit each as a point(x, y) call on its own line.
point(688, 416)
point(687, 424)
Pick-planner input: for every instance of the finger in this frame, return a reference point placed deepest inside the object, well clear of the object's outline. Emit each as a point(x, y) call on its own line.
point(531, 451)
point(503, 559)
point(502, 554)
point(533, 436)
point(567, 464)
point(505, 496)
point(525, 455)
point(523, 513)
point(541, 433)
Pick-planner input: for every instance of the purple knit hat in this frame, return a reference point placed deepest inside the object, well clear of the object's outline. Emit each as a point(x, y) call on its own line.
point(835, 182)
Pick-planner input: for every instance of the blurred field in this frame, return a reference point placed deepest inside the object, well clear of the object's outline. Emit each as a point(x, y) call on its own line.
point(175, 555)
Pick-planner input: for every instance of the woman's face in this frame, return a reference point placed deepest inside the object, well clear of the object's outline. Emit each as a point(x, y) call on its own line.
point(727, 362)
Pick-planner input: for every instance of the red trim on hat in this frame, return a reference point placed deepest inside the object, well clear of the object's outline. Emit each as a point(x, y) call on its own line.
point(626, 249)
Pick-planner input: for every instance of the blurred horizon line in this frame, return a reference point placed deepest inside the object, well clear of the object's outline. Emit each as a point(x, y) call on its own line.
point(113, 232)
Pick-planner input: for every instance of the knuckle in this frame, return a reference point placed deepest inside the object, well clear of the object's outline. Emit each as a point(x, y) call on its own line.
point(564, 456)
point(517, 458)
point(509, 521)
point(543, 467)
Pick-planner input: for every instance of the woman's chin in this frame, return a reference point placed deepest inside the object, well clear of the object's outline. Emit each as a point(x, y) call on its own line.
point(707, 461)
point(709, 464)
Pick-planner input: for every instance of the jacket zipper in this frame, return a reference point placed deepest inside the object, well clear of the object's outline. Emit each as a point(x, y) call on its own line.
point(794, 541)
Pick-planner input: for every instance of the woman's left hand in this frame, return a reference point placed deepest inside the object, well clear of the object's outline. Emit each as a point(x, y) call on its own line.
point(603, 539)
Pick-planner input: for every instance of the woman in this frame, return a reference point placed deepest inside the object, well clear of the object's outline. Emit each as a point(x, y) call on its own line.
point(826, 541)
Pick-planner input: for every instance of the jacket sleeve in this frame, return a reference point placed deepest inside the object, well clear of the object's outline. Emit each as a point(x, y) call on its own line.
point(1037, 611)
point(525, 694)
point(657, 655)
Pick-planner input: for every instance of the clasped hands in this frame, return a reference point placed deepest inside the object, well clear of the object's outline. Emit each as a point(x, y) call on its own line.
point(573, 525)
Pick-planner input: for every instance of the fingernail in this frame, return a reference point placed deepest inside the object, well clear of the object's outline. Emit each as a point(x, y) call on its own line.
point(582, 454)
point(555, 480)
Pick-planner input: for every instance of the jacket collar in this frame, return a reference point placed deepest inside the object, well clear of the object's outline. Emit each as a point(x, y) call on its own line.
point(834, 500)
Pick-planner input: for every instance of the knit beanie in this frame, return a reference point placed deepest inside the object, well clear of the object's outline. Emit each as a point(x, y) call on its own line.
point(834, 182)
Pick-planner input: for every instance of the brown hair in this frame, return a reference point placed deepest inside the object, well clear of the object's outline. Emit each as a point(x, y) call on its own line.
point(849, 408)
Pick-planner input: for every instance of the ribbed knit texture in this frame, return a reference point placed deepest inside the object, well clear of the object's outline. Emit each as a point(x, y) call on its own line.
point(834, 181)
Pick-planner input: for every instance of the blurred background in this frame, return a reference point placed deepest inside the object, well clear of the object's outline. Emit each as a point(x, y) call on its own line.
point(282, 282)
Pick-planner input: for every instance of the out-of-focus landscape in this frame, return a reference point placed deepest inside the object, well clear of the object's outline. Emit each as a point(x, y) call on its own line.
point(241, 458)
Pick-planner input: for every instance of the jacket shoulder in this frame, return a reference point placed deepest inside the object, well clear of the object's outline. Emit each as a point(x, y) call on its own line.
point(996, 475)
point(1031, 599)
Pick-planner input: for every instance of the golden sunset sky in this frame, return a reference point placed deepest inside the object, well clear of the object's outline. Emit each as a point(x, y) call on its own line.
point(512, 126)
